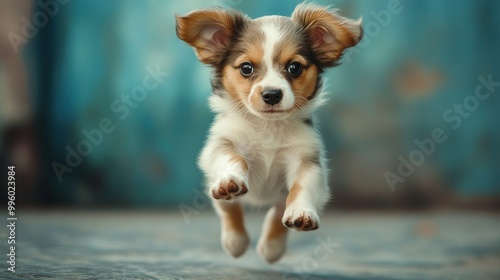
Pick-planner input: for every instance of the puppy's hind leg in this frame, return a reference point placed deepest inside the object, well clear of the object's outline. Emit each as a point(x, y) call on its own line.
point(234, 237)
point(272, 241)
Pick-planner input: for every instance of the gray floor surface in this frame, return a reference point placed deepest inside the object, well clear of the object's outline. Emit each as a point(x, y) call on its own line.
point(162, 245)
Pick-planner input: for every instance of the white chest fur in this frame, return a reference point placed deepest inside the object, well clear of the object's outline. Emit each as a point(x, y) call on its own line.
point(271, 148)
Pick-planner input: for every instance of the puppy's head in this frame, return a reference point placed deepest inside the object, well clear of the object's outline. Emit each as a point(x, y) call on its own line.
point(270, 66)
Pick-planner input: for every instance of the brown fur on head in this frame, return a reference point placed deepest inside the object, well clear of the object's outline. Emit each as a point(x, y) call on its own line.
point(284, 57)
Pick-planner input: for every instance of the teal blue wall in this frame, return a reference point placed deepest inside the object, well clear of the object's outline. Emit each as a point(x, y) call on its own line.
point(392, 89)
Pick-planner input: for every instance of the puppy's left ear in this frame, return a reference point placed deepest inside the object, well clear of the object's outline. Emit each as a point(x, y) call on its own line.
point(209, 31)
point(329, 33)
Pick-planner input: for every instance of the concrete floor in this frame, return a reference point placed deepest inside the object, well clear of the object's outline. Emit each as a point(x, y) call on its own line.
point(162, 245)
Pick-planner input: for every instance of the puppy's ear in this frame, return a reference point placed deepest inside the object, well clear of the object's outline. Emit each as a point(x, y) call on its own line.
point(209, 31)
point(329, 33)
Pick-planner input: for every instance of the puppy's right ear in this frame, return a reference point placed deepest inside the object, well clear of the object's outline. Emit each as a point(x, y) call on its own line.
point(329, 33)
point(209, 31)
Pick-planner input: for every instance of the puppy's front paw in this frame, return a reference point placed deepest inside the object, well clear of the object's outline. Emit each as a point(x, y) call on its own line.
point(301, 219)
point(227, 188)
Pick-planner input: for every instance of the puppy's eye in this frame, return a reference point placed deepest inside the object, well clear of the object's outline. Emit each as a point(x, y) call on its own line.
point(295, 69)
point(246, 69)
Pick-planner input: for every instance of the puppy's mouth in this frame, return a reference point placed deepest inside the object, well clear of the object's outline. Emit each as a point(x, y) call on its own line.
point(275, 111)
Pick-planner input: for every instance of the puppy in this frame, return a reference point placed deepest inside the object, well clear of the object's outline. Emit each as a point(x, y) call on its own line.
point(262, 148)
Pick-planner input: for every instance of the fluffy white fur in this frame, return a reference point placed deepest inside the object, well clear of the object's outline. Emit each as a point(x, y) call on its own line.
point(279, 155)
point(274, 151)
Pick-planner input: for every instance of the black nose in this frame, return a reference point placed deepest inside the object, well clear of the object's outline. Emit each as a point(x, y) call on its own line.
point(272, 96)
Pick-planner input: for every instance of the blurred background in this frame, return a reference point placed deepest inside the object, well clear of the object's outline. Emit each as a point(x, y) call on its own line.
point(84, 130)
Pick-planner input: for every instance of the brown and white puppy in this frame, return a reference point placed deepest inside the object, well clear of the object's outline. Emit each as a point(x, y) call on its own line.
point(262, 148)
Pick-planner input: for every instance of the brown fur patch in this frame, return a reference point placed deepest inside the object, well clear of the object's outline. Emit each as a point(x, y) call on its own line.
point(307, 162)
point(248, 49)
point(328, 32)
point(276, 227)
point(225, 23)
point(287, 51)
point(237, 86)
point(227, 147)
point(253, 54)
point(256, 97)
point(232, 217)
point(304, 86)
point(235, 157)
point(293, 193)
